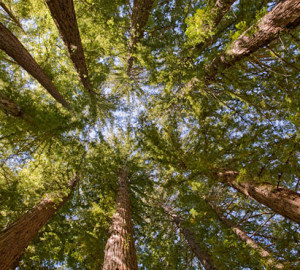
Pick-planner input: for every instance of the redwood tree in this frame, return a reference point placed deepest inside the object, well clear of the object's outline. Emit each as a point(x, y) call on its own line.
point(202, 255)
point(14, 48)
point(285, 15)
point(281, 200)
point(16, 237)
point(202, 96)
point(120, 248)
point(246, 238)
point(64, 16)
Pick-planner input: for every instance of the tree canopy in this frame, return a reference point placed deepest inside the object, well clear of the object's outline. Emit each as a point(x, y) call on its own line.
point(197, 100)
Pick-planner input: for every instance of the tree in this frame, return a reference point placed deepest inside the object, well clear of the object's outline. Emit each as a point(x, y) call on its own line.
point(168, 103)
point(13, 47)
point(282, 201)
point(284, 15)
point(139, 18)
point(200, 253)
point(15, 238)
point(64, 16)
point(244, 237)
point(120, 250)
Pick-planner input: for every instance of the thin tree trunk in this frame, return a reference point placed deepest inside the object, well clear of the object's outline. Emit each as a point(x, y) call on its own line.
point(220, 9)
point(10, 14)
point(14, 48)
point(15, 238)
point(64, 16)
point(8, 106)
point(270, 261)
point(120, 250)
point(139, 18)
point(202, 255)
point(281, 200)
point(285, 15)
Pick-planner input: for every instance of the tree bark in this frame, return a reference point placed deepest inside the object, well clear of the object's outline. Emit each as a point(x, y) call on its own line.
point(139, 18)
point(64, 16)
point(15, 238)
point(285, 15)
point(270, 261)
point(202, 255)
point(220, 9)
point(281, 200)
point(120, 250)
point(10, 14)
point(14, 48)
point(8, 106)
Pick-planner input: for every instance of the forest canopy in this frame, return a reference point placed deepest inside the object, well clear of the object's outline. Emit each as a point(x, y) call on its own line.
point(149, 134)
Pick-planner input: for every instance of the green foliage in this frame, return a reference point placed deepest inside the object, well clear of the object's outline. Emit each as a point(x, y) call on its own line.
point(200, 26)
point(172, 138)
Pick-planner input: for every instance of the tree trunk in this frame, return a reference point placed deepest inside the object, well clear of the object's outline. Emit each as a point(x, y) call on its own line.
point(202, 255)
point(14, 48)
point(8, 106)
point(281, 200)
point(120, 251)
point(286, 14)
point(15, 238)
point(64, 16)
point(220, 9)
point(270, 261)
point(10, 14)
point(139, 18)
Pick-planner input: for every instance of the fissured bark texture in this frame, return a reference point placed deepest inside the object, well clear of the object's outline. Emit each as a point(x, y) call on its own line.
point(120, 253)
point(15, 238)
point(286, 14)
point(281, 200)
point(63, 14)
point(14, 48)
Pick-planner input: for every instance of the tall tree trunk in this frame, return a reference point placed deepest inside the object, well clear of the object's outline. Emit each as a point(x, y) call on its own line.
point(286, 14)
point(270, 261)
point(15, 238)
point(14, 48)
point(120, 250)
point(64, 16)
point(202, 255)
point(139, 18)
point(10, 107)
point(281, 200)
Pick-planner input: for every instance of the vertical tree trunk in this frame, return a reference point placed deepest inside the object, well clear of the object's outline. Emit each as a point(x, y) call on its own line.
point(120, 248)
point(281, 200)
point(14, 48)
point(202, 255)
point(64, 16)
point(15, 238)
point(139, 18)
point(270, 261)
point(286, 14)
